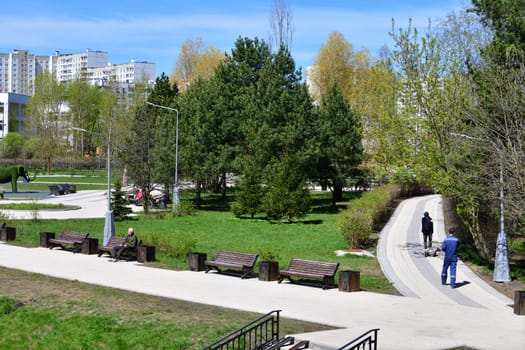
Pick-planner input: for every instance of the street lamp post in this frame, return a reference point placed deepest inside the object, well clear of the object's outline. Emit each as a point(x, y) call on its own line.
point(501, 263)
point(109, 224)
point(176, 185)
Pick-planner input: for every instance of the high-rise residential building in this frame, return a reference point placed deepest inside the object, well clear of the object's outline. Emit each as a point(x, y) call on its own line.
point(19, 69)
point(123, 75)
point(68, 67)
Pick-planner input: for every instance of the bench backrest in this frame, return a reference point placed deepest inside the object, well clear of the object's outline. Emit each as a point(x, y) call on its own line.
point(73, 235)
point(313, 267)
point(115, 241)
point(244, 259)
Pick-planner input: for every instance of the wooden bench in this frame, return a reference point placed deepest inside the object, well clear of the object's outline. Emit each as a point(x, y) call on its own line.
point(309, 269)
point(68, 238)
point(115, 241)
point(67, 188)
point(54, 189)
point(243, 262)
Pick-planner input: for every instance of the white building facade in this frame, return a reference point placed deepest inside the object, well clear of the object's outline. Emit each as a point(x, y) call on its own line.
point(12, 117)
point(19, 69)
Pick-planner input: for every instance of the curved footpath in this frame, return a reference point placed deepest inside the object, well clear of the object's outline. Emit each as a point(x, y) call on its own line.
point(427, 316)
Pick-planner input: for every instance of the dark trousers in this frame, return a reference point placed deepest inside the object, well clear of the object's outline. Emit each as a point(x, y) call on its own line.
point(117, 251)
point(452, 263)
point(427, 237)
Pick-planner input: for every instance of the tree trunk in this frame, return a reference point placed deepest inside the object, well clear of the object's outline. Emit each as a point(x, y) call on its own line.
point(198, 195)
point(337, 194)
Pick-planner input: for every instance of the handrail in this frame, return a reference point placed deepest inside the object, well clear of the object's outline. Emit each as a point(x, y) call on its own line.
point(362, 341)
point(253, 335)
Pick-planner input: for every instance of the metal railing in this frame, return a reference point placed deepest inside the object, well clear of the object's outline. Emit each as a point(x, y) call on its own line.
point(253, 336)
point(367, 340)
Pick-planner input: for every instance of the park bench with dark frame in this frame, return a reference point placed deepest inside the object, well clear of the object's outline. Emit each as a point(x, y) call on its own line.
point(67, 188)
point(68, 238)
point(309, 269)
point(243, 262)
point(56, 190)
point(115, 241)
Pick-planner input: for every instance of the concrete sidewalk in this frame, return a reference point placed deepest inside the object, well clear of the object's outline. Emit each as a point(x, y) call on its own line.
point(427, 316)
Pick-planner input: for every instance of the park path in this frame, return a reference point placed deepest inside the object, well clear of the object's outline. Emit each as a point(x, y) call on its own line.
point(401, 255)
point(426, 316)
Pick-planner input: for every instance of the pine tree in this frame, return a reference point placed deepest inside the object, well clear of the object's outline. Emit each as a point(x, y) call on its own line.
point(119, 204)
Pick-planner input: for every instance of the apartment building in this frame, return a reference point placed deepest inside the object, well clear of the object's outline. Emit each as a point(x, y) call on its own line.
point(124, 76)
point(68, 67)
point(19, 69)
point(12, 113)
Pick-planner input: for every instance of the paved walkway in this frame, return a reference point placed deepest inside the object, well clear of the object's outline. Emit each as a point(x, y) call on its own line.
point(427, 316)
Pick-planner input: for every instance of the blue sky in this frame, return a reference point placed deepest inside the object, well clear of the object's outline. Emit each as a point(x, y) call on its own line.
point(155, 30)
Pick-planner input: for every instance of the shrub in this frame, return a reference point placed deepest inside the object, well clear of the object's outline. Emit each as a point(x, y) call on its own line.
point(356, 223)
point(7, 305)
point(267, 254)
point(356, 226)
point(185, 208)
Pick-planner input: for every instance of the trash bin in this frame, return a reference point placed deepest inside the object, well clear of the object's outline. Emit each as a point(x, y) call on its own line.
point(349, 281)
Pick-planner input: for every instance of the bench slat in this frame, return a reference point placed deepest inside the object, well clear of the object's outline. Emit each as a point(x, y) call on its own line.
point(232, 260)
point(70, 238)
point(316, 270)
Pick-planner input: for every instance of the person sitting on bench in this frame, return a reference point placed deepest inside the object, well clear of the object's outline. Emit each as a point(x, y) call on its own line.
point(129, 243)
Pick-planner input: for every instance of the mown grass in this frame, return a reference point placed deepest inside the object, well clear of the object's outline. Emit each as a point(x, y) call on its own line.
point(315, 237)
point(31, 206)
point(72, 315)
point(62, 314)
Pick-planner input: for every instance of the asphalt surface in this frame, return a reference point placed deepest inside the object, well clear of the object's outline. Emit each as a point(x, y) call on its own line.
point(428, 315)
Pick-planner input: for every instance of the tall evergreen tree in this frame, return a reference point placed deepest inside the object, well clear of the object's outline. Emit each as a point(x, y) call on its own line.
point(339, 140)
point(138, 153)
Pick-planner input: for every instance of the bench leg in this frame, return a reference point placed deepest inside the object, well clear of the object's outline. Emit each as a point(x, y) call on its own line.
point(328, 282)
point(246, 272)
point(281, 278)
point(77, 248)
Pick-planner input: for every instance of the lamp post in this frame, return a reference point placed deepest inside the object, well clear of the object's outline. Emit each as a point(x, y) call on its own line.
point(176, 185)
point(109, 224)
point(501, 262)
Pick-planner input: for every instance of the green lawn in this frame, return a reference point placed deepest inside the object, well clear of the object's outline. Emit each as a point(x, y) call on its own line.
point(315, 237)
point(41, 312)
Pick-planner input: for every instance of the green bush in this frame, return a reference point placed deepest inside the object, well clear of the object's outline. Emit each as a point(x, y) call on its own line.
point(268, 254)
point(357, 222)
point(356, 226)
point(185, 208)
point(7, 305)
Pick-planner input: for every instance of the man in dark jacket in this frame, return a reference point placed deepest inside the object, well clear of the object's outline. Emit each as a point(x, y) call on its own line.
point(427, 228)
point(450, 247)
point(129, 243)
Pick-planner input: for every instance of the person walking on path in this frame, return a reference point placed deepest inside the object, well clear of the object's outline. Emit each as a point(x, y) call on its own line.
point(427, 228)
point(450, 247)
point(130, 242)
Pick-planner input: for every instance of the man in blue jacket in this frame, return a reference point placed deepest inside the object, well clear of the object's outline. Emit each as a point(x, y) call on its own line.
point(450, 247)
